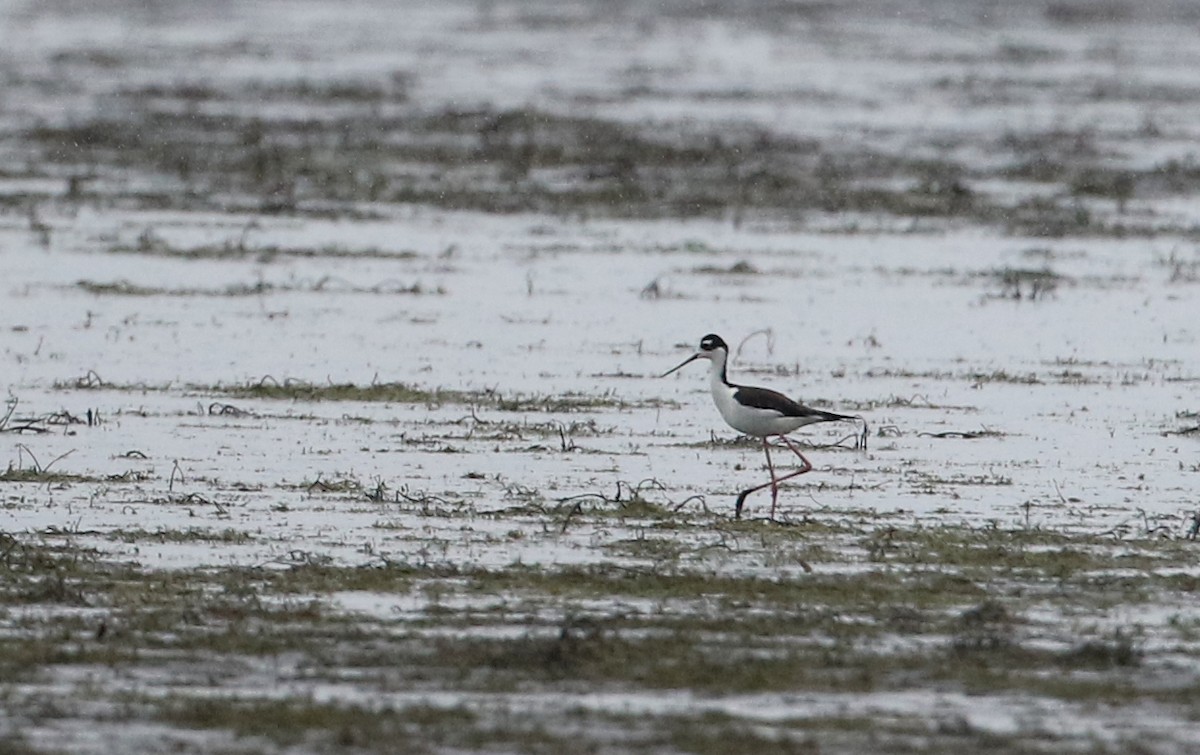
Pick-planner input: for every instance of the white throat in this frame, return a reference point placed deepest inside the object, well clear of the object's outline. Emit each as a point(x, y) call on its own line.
point(716, 368)
point(721, 392)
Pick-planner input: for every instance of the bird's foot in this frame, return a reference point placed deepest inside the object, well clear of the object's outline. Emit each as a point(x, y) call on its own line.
point(741, 501)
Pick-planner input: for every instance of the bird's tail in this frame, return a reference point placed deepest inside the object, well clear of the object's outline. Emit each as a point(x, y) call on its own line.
point(824, 416)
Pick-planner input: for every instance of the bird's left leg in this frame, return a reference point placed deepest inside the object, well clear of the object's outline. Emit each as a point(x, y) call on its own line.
point(774, 483)
point(807, 465)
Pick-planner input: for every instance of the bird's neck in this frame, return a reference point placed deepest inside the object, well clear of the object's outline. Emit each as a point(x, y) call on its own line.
point(716, 371)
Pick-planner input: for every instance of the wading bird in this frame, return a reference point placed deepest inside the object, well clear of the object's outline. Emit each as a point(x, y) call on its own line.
point(759, 412)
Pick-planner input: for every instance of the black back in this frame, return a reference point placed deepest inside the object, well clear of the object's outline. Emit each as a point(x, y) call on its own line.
point(765, 398)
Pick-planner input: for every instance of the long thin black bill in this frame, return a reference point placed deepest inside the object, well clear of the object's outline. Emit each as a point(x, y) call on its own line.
point(687, 361)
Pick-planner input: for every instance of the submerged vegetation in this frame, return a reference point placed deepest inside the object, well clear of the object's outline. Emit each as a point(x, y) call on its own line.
point(982, 622)
point(533, 160)
point(298, 390)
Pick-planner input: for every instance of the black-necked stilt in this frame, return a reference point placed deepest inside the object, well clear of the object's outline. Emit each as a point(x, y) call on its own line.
point(759, 412)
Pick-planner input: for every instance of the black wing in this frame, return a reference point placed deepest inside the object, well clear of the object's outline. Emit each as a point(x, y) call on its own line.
point(765, 398)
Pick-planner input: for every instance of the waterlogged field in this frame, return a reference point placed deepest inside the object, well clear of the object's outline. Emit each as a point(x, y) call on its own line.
point(330, 339)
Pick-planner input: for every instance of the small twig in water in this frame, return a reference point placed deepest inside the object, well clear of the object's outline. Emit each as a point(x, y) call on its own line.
point(697, 497)
point(90, 380)
point(55, 460)
point(197, 498)
point(965, 435)
point(419, 498)
point(379, 493)
point(37, 466)
point(567, 445)
point(175, 470)
point(218, 408)
point(23, 449)
point(576, 509)
point(12, 407)
point(1184, 431)
point(769, 333)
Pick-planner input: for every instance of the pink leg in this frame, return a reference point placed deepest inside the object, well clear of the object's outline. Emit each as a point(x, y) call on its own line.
point(774, 483)
point(796, 450)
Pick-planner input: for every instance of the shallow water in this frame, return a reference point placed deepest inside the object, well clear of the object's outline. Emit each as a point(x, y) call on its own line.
point(973, 226)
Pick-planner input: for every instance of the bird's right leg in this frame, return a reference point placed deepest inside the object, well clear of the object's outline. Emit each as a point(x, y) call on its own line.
point(771, 470)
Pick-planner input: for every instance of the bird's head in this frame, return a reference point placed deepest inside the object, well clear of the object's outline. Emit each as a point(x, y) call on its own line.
point(712, 347)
